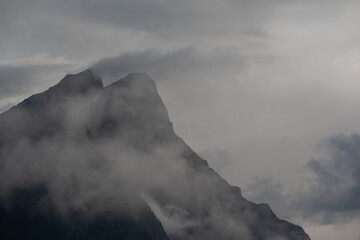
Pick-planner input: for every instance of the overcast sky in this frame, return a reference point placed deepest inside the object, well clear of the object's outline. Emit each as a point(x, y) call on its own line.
point(267, 91)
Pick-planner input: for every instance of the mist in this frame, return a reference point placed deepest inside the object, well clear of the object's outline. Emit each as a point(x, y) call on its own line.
point(95, 150)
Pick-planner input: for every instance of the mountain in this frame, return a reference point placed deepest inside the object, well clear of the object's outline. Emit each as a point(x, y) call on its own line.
point(83, 161)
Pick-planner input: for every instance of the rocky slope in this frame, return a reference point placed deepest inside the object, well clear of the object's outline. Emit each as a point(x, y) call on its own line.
point(80, 161)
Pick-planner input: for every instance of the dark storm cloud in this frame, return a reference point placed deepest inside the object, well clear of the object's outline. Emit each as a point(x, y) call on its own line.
point(331, 197)
point(336, 192)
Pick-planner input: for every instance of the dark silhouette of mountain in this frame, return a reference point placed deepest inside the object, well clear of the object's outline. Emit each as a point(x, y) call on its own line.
point(80, 161)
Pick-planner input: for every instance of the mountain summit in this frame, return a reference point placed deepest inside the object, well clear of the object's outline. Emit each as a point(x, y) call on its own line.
point(83, 161)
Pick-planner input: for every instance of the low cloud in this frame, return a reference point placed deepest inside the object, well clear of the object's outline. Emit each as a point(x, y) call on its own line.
point(329, 196)
point(186, 63)
point(335, 193)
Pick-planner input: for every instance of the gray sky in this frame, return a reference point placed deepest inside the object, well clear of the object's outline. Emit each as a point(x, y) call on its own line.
point(271, 87)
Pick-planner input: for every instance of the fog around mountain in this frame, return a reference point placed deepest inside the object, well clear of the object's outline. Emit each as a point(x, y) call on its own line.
point(82, 150)
point(268, 87)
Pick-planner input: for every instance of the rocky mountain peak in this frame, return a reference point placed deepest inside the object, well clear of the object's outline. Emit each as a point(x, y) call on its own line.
point(109, 159)
point(81, 82)
point(70, 85)
point(139, 84)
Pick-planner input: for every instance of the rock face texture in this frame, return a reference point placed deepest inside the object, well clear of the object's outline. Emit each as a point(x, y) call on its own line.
point(80, 161)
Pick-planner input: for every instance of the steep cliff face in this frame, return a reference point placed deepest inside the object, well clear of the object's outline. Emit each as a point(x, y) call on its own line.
point(80, 161)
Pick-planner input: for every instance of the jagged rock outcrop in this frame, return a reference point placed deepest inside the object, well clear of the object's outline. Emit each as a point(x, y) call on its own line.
point(80, 161)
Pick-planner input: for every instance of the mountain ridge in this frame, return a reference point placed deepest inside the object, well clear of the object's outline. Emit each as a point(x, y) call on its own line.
point(126, 123)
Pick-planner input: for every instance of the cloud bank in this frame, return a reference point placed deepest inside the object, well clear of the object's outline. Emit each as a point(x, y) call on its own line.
point(328, 195)
point(337, 181)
